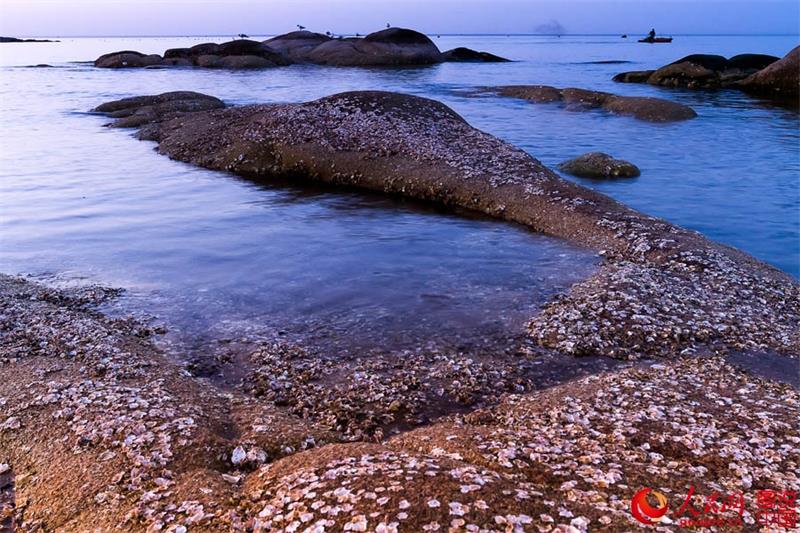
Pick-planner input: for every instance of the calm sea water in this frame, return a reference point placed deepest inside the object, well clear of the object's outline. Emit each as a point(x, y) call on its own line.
point(210, 252)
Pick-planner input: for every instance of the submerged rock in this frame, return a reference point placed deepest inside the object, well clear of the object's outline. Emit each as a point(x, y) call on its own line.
point(541, 94)
point(642, 108)
point(599, 165)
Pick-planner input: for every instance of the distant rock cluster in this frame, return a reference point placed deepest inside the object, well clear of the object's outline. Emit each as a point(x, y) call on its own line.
point(389, 47)
point(16, 40)
point(753, 73)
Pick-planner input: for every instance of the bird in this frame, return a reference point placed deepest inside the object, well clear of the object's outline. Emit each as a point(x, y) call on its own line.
point(388, 25)
point(300, 27)
point(243, 36)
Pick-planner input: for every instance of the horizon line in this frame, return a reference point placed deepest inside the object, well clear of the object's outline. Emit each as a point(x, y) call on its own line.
point(443, 34)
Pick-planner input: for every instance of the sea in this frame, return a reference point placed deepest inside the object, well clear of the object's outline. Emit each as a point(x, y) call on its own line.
point(212, 256)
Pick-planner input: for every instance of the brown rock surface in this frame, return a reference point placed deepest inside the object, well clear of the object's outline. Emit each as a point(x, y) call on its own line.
point(642, 108)
point(599, 165)
point(780, 79)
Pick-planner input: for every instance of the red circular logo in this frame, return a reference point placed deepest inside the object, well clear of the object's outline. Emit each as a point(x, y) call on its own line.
point(646, 513)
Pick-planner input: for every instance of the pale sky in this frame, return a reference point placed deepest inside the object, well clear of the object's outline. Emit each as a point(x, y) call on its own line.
point(261, 17)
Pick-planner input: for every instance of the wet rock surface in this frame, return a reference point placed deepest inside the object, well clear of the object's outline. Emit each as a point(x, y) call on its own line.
point(642, 108)
point(391, 47)
point(759, 74)
point(102, 430)
point(435, 155)
point(780, 79)
point(599, 165)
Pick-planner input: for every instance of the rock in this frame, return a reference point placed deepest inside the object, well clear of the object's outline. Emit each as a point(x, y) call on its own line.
point(208, 61)
point(297, 45)
point(685, 74)
point(244, 62)
point(238, 54)
point(582, 98)
point(467, 55)
point(204, 49)
point(174, 53)
point(177, 62)
point(130, 105)
point(238, 456)
point(709, 61)
point(140, 111)
point(648, 108)
point(751, 61)
point(636, 76)
point(247, 48)
point(642, 108)
point(11, 423)
point(779, 80)
point(701, 71)
point(541, 94)
point(599, 165)
point(127, 59)
point(256, 456)
point(390, 47)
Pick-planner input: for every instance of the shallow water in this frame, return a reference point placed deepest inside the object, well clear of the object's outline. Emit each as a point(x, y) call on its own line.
point(215, 254)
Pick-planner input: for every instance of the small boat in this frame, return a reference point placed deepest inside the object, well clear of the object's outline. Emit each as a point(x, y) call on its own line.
point(656, 40)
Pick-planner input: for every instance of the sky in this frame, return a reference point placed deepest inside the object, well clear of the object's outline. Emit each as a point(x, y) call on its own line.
point(265, 17)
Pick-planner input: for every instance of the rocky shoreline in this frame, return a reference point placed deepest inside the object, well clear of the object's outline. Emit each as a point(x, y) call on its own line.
point(391, 47)
point(103, 430)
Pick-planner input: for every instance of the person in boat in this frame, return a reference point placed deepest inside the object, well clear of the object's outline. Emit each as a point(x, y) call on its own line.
point(652, 34)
